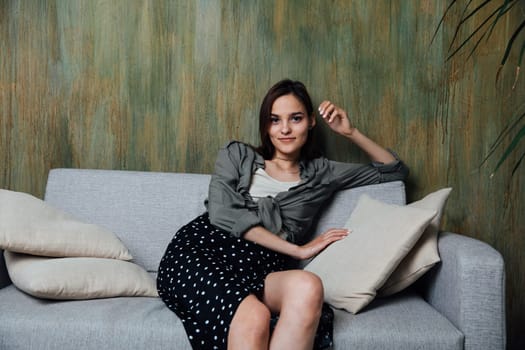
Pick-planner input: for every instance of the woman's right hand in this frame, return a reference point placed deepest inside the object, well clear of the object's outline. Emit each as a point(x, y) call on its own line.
point(336, 118)
point(319, 243)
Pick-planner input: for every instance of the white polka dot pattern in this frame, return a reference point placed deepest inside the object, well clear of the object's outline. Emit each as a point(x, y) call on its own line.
point(204, 275)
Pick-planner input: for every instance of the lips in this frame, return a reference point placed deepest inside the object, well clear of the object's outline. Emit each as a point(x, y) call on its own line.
point(287, 139)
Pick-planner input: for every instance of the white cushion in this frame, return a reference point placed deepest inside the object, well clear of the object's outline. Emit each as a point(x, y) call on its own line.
point(30, 225)
point(381, 236)
point(78, 278)
point(425, 253)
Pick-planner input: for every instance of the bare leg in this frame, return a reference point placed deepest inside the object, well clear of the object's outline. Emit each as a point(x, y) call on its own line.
point(297, 296)
point(250, 326)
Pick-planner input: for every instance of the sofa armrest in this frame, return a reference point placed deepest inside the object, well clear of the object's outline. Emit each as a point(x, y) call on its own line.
point(4, 277)
point(468, 287)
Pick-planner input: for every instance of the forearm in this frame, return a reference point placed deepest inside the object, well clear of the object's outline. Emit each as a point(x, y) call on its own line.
point(339, 122)
point(267, 239)
point(376, 152)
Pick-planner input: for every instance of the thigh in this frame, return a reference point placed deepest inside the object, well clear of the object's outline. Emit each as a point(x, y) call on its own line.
point(282, 286)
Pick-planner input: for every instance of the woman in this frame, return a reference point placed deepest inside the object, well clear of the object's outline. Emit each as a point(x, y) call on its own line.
point(227, 274)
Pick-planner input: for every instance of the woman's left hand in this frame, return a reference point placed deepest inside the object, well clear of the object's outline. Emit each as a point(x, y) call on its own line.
point(320, 242)
point(336, 118)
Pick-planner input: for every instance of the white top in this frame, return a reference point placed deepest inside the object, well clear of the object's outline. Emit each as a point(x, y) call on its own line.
point(263, 185)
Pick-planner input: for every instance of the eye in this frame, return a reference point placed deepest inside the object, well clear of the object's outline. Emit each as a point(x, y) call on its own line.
point(297, 118)
point(274, 120)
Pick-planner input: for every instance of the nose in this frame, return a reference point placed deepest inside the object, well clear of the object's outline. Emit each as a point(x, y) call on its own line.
point(285, 129)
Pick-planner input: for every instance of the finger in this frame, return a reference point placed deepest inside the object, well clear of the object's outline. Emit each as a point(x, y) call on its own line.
point(335, 114)
point(339, 237)
point(323, 106)
point(339, 229)
point(335, 240)
point(336, 233)
point(328, 111)
point(332, 239)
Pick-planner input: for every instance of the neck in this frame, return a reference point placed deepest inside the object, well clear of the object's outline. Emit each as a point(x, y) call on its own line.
point(285, 159)
point(292, 158)
point(288, 165)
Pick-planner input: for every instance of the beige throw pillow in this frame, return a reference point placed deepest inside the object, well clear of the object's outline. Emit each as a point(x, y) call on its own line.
point(354, 268)
point(78, 278)
point(425, 253)
point(29, 225)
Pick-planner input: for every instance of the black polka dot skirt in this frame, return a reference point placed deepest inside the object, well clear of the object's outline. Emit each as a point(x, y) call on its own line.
point(205, 274)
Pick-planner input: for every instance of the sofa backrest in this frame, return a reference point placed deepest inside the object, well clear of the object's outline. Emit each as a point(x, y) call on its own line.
point(145, 209)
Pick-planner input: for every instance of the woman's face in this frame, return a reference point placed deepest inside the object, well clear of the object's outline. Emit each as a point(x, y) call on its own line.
point(288, 130)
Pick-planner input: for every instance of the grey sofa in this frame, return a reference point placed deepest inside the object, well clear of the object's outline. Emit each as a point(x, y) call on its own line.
point(457, 305)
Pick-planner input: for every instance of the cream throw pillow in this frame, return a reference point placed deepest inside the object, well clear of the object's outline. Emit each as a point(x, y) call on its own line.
point(78, 278)
point(354, 268)
point(425, 253)
point(29, 225)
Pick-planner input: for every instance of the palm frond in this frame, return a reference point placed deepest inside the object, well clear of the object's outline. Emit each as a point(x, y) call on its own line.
point(504, 133)
point(442, 20)
point(484, 30)
point(504, 8)
point(511, 42)
point(474, 32)
point(461, 21)
point(522, 52)
point(498, 12)
point(508, 48)
point(517, 165)
point(517, 138)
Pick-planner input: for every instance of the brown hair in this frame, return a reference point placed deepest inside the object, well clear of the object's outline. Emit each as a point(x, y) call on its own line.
point(282, 88)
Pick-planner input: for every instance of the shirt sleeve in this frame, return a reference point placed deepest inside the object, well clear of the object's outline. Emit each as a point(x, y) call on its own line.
point(349, 175)
point(226, 205)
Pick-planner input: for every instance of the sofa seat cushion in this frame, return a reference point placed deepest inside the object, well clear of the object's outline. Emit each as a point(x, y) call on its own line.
point(403, 321)
point(114, 323)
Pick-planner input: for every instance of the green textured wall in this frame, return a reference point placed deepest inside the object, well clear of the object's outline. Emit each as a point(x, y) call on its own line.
point(160, 85)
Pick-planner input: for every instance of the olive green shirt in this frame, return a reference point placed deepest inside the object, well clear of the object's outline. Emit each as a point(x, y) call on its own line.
point(231, 207)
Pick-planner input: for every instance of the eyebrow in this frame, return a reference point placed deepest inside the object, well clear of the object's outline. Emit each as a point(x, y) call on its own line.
point(292, 114)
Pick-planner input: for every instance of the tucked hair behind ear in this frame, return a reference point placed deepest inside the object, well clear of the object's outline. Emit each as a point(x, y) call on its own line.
point(282, 88)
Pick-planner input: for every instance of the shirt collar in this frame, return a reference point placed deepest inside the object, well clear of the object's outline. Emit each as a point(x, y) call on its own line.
point(306, 168)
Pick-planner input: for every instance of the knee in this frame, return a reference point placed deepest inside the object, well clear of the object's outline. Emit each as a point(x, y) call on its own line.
point(251, 321)
point(309, 287)
point(308, 294)
point(258, 317)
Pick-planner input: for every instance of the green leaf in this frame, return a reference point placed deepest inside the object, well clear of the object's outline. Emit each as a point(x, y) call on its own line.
point(503, 9)
point(471, 35)
point(463, 19)
point(442, 20)
point(517, 138)
point(511, 42)
point(506, 130)
point(522, 51)
point(516, 166)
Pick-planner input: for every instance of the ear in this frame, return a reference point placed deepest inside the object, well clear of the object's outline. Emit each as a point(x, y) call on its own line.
point(312, 122)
